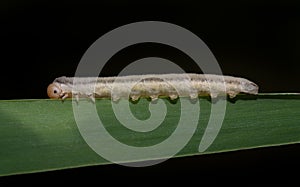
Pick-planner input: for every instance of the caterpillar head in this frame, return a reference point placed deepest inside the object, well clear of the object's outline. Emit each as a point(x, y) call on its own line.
point(54, 91)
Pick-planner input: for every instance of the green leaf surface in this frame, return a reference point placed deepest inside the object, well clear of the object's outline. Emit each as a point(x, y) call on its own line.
point(42, 135)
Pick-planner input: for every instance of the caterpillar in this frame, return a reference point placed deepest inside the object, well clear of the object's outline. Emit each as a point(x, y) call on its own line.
point(153, 86)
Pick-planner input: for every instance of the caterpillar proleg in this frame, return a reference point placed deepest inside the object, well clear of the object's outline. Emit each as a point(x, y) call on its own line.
point(153, 86)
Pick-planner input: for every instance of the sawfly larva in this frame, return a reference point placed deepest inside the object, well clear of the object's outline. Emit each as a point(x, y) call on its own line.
point(152, 86)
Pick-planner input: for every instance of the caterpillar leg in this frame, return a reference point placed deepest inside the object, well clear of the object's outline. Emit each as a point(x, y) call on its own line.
point(64, 95)
point(134, 97)
point(173, 96)
point(194, 95)
point(115, 98)
point(154, 97)
point(231, 94)
point(76, 95)
point(92, 97)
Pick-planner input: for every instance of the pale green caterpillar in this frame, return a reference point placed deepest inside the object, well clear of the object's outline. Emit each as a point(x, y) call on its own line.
point(152, 86)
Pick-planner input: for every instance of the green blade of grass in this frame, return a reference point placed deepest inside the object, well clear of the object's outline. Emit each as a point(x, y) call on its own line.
point(42, 135)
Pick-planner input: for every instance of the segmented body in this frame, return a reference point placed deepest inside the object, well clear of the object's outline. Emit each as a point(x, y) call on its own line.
point(153, 86)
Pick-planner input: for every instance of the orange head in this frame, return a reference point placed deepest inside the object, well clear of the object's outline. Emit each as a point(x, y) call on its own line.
point(54, 91)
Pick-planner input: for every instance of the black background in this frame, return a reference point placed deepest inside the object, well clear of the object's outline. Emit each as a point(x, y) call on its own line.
point(258, 40)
